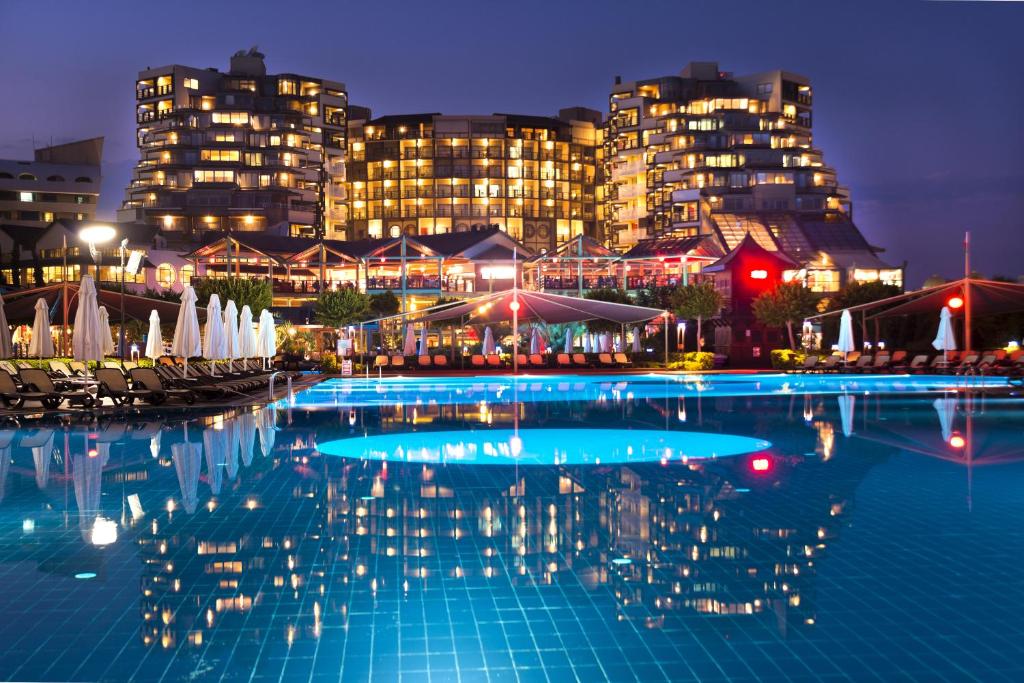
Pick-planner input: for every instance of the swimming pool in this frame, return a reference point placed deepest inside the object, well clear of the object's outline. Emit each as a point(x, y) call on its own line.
point(650, 527)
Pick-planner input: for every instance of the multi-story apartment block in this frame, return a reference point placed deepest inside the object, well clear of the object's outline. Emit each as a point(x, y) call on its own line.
point(537, 178)
point(241, 151)
point(61, 182)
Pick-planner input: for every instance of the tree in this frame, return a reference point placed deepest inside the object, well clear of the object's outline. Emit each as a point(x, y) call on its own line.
point(615, 296)
point(781, 307)
point(697, 302)
point(857, 293)
point(341, 307)
point(256, 294)
point(384, 304)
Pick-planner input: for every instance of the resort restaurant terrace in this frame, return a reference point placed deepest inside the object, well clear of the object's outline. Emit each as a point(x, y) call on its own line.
point(583, 264)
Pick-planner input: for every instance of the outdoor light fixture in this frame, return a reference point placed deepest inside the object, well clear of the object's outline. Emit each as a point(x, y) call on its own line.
point(514, 306)
point(759, 274)
point(957, 441)
point(955, 302)
point(97, 233)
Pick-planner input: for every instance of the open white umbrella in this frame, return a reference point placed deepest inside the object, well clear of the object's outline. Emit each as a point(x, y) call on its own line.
point(636, 340)
point(214, 341)
point(845, 344)
point(846, 404)
point(945, 340)
point(106, 336)
point(246, 335)
point(423, 341)
point(186, 341)
point(42, 341)
point(946, 410)
point(488, 344)
point(266, 337)
point(567, 347)
point(247, 435)
point(231, 349)
point(6, 345)
point(188, 461)
point(154, 339)
point(87, 337)
point(594, 347)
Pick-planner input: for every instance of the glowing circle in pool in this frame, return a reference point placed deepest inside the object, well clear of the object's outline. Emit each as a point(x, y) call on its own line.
point(544, 447)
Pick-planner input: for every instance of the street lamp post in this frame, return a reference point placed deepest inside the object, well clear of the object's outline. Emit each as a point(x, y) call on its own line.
point(120, 342)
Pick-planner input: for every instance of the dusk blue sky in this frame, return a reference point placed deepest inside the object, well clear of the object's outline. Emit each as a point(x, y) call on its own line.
point(918, 105)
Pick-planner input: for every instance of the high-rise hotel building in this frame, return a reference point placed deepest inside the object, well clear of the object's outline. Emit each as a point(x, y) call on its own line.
point(681, 149)
point(537, 178)
point(240, 151)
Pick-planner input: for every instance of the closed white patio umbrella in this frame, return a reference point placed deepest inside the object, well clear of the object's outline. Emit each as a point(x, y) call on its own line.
point(6, 345)
point(215, 444)
point(266, 337)
point(488, 343)
point(87, 338)
point(423, 351)
point(154, 339)
point(845, 344)
point(946, 410)
point(846, 405)
point(586, 343)
point(106, 336)
point(246, 334)
point(247, 436)
point(188, 461)
point(945, 340)
point(636, 340)
point(231, 348)
point(214, 342)
point(42, 341)
point(409, 347)
point(535, 341)
point(186, 341)
point(567, 347)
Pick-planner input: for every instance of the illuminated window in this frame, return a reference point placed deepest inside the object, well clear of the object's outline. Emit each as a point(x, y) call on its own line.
point(191, 83)
point(25, 196)
point(165, 275)
point(235, 117)
point(203, 176)
point(186, 273)
point(219, 155)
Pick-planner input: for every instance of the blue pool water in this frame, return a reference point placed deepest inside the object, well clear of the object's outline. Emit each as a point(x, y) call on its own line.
point(556, 528)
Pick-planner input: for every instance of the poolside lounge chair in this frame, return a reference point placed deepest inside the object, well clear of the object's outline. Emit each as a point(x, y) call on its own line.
point(14, 397)
point(622, 360)
point(380, 362)
point(862, 362)
point(830, 363)
point(424, 362)
point(477, 361)
point(810, 363)
point(397, 361)
point(23, 365)
point(967, 362)
point(537, 361)
point(37, 380)
point(494, 361)
point(605, 360)
point(147, 378)
point(6, 366)
point(987, 363)
point(59, 368)
point(78, 367)
point(111, 365)
point(563, 360)
point(440, 360)
point(113, 385)
point(880, 364)
point(579, 360)
point(522, 360)
point(898, 359)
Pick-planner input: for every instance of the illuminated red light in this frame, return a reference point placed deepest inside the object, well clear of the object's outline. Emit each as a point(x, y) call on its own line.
point(761, 464)
point(957, 441)
point(759, 274)
point(955, 302)
point(514, 306)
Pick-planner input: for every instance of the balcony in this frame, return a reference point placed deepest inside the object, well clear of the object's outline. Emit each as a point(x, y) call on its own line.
point(413, 282)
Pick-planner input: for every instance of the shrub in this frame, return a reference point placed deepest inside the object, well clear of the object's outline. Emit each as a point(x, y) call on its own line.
point(329, 362)
point(787, 359)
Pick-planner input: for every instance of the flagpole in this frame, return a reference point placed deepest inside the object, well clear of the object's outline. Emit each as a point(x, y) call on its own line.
point(967, 291)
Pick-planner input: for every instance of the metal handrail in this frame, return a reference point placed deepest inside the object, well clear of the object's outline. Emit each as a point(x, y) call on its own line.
point(273, 377)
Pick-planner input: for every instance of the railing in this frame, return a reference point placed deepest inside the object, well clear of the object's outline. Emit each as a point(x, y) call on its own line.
point(411, 282)
point(572, 283)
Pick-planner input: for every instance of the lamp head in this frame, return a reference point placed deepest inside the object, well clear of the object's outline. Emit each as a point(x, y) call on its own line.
point(97, 233)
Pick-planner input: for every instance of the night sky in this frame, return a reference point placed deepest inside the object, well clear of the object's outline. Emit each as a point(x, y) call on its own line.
point(918, 105)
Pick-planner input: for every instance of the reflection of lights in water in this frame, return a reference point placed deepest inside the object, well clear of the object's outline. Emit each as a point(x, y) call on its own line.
point(85, 575)
point(957, 441)
point(761, 464)
point(28, 526)
point(104, 531)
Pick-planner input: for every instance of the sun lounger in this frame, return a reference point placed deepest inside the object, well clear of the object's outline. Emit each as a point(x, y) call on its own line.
point(37, 380)
point(114, 386)
point(477, 361)
point(440, 360)
point(810, 364)
point(13, 396)
point(147, 378)
point(424, 362)
point(563, 360)
point(537, 361)
point(579, 360)
point(380, 362)
point(522, 360)
point(622, 360)
point(605, 360)
point(494, 361)
point(397, 361)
